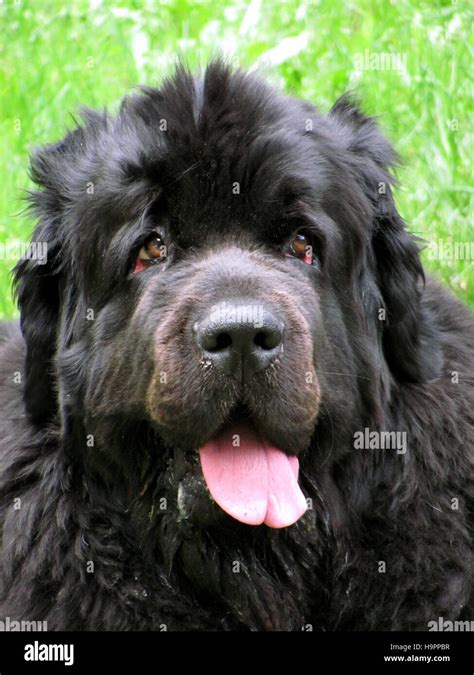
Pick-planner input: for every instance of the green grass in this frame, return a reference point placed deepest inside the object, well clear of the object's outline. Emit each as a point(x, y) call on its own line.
point(56, 56)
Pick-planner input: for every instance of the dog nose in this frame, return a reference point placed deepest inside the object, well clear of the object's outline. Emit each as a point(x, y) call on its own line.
point(240, 339)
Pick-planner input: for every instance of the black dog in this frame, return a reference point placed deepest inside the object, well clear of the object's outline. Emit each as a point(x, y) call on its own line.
point(235, 402)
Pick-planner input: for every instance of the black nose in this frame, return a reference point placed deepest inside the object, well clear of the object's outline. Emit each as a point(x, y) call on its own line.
point(240, 339)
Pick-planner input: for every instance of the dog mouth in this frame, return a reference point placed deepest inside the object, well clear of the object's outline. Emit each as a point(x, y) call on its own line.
point(250, 480)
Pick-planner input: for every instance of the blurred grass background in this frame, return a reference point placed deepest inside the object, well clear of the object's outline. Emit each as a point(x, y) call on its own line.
point(56, 56)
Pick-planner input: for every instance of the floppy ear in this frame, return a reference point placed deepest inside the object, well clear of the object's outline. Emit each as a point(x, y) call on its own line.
point(411, 340)
point(37, 284)
point(38, 299)
point(58, 170)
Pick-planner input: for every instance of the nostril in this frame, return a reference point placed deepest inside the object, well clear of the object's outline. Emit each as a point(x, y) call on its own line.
point(216, 342)
point(223, 341)
point(267, 339)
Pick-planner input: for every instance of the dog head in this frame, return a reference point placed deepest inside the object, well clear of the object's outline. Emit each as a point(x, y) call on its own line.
point(229, 291)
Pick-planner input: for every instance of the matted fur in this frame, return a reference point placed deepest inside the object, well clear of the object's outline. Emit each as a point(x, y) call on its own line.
point(106, 521)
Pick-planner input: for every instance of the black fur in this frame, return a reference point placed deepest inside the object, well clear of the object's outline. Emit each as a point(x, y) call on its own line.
point(95, 448)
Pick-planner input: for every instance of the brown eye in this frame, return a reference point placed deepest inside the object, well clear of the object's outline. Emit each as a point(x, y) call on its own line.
point(154, 250)
point(300, 248)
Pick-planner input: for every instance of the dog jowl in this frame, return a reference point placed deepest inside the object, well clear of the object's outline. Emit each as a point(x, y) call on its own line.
point(228, 301)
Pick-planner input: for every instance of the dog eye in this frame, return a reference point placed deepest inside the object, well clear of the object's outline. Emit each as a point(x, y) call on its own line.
point(300, 247)
point(153, 251)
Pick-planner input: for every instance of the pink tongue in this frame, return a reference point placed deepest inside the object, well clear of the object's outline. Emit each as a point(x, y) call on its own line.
point(253, 482)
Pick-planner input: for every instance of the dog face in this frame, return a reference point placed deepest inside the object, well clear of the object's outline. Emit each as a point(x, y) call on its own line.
point(229, 292)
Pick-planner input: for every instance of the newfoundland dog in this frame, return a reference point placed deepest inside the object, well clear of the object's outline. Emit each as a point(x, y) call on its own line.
point(233, 402)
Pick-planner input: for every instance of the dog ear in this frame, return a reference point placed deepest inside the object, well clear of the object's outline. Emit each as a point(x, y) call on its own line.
point(411, 340)
point(37, 289)
point(37, 277)
point(59, 170)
